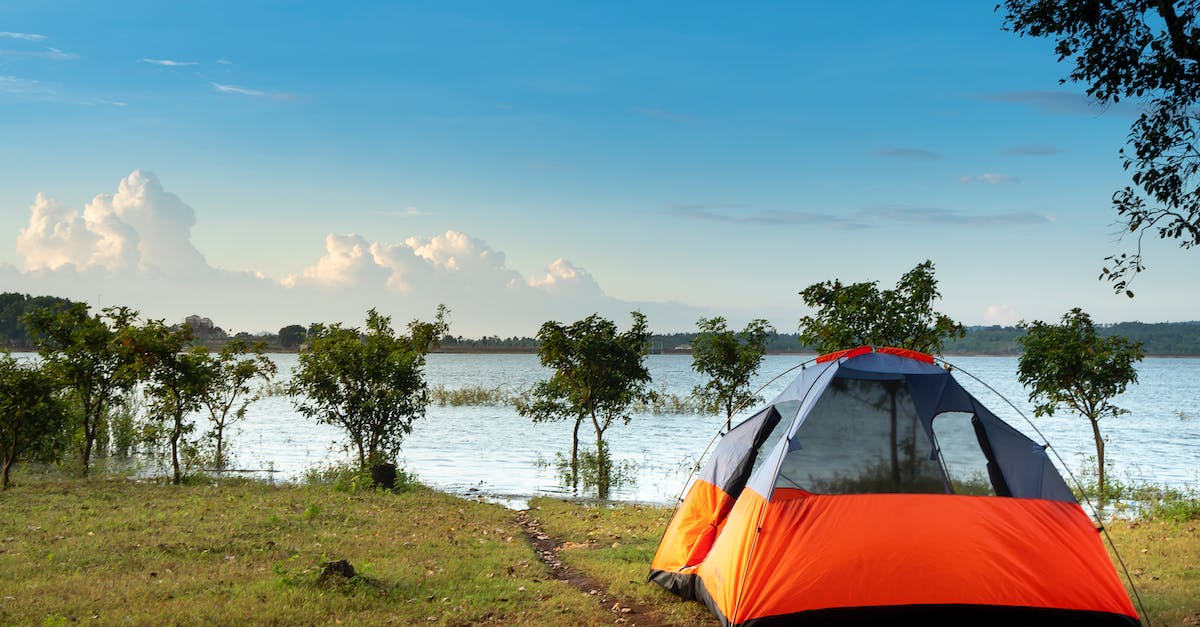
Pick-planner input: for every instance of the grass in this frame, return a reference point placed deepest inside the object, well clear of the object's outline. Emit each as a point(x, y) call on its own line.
point(1163, 558)
point(247, 553)
point(614, 544)
point(116, 551)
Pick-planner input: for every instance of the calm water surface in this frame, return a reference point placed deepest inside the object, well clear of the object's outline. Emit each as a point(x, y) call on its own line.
point(494, 453)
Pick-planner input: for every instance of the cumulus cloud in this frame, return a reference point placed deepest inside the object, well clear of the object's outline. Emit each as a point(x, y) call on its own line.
point(140, 227)
point(1002, 315)
point(348, 260)
point(133, 247)
point(563, 277)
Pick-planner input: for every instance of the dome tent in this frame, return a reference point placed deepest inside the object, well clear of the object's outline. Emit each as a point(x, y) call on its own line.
point(875, 488)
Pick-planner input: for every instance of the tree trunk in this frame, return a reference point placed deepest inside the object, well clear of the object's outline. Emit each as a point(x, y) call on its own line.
point(219, 462)
point(575, 454)
point(1101, 484)
point(602, 462)
point(175, 432)
point(8, 462)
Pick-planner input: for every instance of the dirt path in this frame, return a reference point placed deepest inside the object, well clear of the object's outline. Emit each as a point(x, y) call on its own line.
point(547, 548)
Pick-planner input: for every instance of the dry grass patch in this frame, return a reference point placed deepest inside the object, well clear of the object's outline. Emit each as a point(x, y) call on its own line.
point(1163, 558)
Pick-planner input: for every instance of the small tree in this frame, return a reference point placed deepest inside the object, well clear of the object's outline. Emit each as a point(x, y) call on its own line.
point(598, 374)
point(176, 382)
point(292, 336)
point(729, 360)
point(1067, 366)
point(860, 314)
point(93, 355)
point(368, 383)
point(31, 415)
point(228, 392)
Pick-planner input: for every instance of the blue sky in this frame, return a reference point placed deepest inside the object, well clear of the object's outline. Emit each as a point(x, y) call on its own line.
point(266, 163)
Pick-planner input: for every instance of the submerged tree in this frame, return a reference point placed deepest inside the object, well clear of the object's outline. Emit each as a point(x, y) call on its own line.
point(370, 383)
point(860, 314)
point(32, 417)
point(729, 360)
point(1147, 51)
point(176, 379)
point(1067, 366)
point(598, 373)
point(95, 356)
point(228, 392)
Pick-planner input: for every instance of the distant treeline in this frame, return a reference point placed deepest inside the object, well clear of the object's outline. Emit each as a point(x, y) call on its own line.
point(1162, 338)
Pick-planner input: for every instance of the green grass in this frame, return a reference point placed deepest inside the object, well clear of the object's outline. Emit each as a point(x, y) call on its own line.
point(614, 545)
point(242, 552)
point(1163, 558)
point(113, 551)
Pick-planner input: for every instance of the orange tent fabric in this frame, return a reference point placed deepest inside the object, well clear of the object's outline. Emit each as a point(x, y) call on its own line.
point(888, 544)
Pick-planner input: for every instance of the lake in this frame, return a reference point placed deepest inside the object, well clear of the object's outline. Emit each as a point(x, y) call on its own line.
point(493, 453)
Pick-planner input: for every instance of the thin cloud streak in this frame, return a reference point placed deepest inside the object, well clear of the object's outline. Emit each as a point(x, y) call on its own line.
point(1061, 103)
point(54, 54)
point(24, 36)
point(253, 93)
point(908, 153)
point(866, 218)
point(169, 62)
point(990, 178)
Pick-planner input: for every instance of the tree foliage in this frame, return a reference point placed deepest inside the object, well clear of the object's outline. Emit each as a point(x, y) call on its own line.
point(31, 414)
point(860, 314)
point(1068, 366)
point(176, 380)
point(598, 373)
point(292, 336)
point(95, 355)
point(14, 307)
point(729, 360)
point(1148, 51)
point(228, 392)
point(370, 383)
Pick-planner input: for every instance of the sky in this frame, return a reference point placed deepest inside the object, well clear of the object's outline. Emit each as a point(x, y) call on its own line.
point(270, 163)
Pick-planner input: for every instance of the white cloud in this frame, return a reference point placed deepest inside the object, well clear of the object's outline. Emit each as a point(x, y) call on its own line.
point(25, 36)
point(253, 93)
point(169, 62)
point(991, 178)
point(1002, 315)
point(134, 248)
point(140, 227)
point(21, 86)
point(563, 277)
point(348, 260)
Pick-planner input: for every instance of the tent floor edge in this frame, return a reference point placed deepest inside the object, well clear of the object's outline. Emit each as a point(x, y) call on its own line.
point(948, 615)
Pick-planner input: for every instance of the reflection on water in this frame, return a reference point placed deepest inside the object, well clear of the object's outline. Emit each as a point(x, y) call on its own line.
point(492, 452)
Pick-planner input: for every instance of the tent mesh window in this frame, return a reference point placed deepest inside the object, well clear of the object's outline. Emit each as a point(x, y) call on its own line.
point(862, 436)
point(961, 454)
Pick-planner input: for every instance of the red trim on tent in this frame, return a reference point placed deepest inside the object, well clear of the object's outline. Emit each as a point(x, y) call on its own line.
point(888, 350)
point(848, 353)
